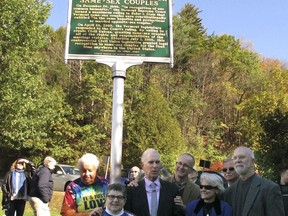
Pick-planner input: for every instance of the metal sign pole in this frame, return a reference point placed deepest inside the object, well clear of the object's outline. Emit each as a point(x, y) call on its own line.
point(107, 167)
point(117, 127)
point(145, 36)
point(119, 75)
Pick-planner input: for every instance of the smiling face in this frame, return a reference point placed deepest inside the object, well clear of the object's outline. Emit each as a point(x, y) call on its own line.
point(19, 165)
point(207, 194)
point(88, 173)
point(184, 166)
point(115, 201)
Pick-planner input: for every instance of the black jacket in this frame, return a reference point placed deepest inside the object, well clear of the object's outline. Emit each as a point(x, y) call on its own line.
point(42, 185)
point(137, 202)
point(7, 184)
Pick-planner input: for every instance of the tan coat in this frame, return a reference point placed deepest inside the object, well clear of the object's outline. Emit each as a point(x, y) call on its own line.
point(191, 191)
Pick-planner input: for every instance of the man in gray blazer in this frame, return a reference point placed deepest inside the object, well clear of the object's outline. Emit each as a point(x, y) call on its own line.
point(252, 195)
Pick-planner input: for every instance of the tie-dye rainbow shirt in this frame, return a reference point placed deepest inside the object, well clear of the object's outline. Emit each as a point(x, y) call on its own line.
point(85, 198)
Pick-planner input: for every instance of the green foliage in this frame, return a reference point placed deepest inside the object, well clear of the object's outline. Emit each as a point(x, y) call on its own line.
point(21, 27)
point(189, 35)
point(156, 128)
point(211, 101)
point(28, 107)
point(273, 150)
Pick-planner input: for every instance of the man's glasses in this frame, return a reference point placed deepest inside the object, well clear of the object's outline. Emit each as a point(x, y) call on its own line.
point(112, 197)
point(230, 169)
point(133, 171)
point(185, 166)
point(207, 187)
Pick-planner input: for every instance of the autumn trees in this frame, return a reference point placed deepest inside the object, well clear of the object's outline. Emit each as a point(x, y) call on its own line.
point(219, 95)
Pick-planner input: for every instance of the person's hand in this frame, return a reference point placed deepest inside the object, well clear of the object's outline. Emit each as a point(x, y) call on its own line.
point(133, 183)
point(96, 212)
point(178, 201)
point(23, 160)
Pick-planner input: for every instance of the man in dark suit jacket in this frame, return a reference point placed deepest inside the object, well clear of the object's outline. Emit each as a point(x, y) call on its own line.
point(252, 195)
point(139, 198)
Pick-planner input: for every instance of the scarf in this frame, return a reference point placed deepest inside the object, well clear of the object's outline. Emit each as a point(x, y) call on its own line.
point(180, 186)
point(19, 188)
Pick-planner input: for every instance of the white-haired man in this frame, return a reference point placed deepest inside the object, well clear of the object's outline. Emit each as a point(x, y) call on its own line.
point(153, 196)
point(252, 195)
point(42, 188)
point(87, 192)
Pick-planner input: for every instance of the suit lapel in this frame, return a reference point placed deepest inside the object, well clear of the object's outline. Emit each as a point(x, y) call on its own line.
point(187, 191)
point(252, 194)
point(234, 195)
point(143, 197)
point(162, 195)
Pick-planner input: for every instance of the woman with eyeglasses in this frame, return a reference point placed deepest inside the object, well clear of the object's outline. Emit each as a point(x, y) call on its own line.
point(16, 187)
point(211, 187)
point(115, 201)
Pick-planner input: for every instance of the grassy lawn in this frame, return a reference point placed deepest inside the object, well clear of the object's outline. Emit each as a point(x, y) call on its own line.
point(55, 205)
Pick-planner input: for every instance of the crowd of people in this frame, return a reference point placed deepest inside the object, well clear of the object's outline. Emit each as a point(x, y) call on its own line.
point(23, 182)
point(151, 190)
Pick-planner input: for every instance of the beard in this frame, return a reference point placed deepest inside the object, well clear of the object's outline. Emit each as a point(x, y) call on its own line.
point(242, 169)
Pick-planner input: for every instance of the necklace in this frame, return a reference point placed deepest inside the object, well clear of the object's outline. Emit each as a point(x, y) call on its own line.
point(207, 213)
point(207, 210)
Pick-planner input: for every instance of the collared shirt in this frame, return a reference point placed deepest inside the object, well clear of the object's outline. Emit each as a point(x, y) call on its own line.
point(149, 190)
point(122, 213)
point(110, 213)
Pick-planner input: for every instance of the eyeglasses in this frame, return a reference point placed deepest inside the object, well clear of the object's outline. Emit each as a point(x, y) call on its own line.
point(133, 171)
point(20, 163)
point(207, 187)
point(185, 166)
point(230, 169)
point(112, 197)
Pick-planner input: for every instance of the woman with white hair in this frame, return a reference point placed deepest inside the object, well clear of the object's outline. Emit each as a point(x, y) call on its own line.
point(87, 192)
point(211, 186)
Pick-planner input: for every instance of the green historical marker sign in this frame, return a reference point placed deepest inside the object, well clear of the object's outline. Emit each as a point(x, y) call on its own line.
point(120, 28)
